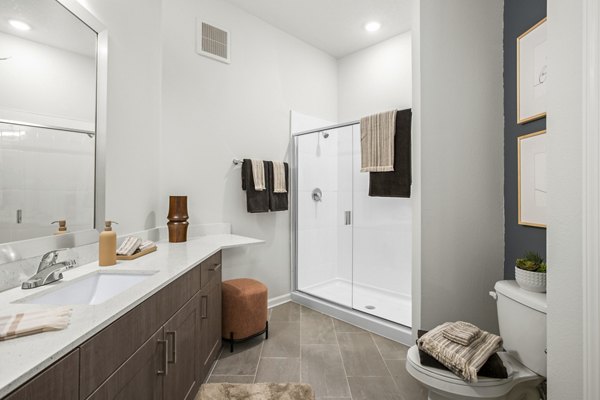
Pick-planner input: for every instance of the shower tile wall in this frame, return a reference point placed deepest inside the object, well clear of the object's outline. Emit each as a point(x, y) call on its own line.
point(48, 174)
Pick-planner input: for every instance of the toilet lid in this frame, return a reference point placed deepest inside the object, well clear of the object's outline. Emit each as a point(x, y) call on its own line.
point(515, 370)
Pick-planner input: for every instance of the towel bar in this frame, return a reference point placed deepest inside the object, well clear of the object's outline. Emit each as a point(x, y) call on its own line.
point(237, 161)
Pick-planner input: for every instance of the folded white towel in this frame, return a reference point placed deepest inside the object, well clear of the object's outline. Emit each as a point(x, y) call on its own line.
point(129, 246)
point(258, 175)
point(279, 177)
point(377, 142)
point(23, 324)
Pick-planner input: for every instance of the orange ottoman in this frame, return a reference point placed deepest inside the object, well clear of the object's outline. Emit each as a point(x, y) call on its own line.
point(244, 310)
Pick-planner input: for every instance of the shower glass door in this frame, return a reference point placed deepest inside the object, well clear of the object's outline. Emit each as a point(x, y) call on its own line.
point(324, 162)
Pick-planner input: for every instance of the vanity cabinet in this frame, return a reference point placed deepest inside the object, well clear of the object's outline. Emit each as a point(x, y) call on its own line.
point(59, 381)
point(210, 307)
point(161, 349)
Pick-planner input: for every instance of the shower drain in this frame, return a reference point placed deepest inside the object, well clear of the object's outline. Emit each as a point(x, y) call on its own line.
point(369, 307)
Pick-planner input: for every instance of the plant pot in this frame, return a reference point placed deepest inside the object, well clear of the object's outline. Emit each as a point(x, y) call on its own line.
point(530, 280)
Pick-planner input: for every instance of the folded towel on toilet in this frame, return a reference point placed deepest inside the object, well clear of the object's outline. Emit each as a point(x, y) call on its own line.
point(493, 367)
point(462, 332)
point(464, 361)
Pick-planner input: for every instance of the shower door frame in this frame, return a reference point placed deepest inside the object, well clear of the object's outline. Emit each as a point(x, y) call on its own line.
point(351, 315)
point(294, 202)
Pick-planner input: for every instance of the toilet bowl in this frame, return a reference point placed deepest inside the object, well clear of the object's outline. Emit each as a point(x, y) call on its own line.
point(521, 383)
point(522, 322)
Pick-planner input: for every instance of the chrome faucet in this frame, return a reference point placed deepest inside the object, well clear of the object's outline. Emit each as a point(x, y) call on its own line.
point(49, 270)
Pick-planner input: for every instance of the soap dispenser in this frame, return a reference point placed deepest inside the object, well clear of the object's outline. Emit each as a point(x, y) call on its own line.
point(107, 245)
point(62, 226)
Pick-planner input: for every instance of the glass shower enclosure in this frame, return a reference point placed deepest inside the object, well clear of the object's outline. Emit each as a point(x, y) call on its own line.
point(349, 249)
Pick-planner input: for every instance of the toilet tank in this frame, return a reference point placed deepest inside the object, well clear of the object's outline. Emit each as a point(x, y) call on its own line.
point(522, 321)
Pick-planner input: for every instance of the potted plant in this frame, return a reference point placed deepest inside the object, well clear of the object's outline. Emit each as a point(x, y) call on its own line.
point(530, 272)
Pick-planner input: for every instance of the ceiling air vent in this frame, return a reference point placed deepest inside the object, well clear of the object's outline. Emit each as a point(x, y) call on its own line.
point(212, 42)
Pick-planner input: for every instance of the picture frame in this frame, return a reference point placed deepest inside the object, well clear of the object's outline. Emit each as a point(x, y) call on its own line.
point(532, 73)
point(532, 180)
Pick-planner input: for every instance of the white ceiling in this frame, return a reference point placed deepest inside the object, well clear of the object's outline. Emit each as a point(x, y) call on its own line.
point(51, 24)
point(334, 26)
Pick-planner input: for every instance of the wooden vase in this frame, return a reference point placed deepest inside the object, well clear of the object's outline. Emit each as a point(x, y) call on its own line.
point(178, 216)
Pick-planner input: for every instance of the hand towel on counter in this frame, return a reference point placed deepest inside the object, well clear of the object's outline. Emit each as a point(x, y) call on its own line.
point(397, 182)
point(23, 324)
point(256, 201)
point(377, 142)
point(258, 175)
point(464, 361)
point(462, 332)
point(278, 201)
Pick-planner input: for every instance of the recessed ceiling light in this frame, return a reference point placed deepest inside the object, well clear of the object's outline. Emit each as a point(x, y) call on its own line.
point(372, 26)
point(20, 25)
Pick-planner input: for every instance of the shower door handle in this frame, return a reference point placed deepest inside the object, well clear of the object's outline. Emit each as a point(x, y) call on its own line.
point(348, 215)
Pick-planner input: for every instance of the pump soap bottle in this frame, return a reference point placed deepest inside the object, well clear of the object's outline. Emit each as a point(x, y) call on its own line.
point(107, 245)
point(62, 226)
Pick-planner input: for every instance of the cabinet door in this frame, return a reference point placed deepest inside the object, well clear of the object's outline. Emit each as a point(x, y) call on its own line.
point(181, 333)
point(214, 317)
point(203, 338)
point(140, 377)
point(59, 382)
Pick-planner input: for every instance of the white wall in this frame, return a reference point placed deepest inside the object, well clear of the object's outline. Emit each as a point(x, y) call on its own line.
point(460, 128)
point(565, 233)
point(375, 79)
point(134, 65)
point(40, 81)
point(214, 112)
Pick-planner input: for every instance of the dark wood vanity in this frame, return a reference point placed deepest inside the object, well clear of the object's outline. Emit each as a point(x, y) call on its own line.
point(162, 349)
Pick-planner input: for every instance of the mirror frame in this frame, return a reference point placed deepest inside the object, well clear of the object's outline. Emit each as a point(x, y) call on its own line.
point(23, 249)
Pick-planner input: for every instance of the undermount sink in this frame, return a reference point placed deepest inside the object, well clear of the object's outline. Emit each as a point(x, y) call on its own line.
point(94, 288)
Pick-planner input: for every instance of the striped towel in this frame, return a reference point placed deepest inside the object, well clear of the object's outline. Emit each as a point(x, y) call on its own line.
point(377, 142)
point(23, 324)
point(464, 361)
point(258, 174)
point(279, 177)
point(462, 333)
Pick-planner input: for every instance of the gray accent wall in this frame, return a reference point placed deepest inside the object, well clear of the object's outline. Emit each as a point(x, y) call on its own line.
point(519, 16)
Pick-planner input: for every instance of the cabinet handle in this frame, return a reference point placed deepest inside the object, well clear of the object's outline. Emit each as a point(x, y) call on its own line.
point(204, 307)
point(215, 267)
point(165, 370)
point(174, 346)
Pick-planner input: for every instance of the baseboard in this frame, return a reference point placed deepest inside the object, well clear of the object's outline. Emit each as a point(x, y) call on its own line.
point(275, 301)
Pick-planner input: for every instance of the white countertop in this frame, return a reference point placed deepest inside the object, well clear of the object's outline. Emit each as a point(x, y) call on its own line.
point(22, 358)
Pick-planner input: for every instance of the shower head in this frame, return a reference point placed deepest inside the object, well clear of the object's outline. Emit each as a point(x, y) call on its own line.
point(325, 134)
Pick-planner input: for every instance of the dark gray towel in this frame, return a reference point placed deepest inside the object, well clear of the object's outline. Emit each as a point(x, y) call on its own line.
point(277, 201)
point(396, 183)
point(256, 202)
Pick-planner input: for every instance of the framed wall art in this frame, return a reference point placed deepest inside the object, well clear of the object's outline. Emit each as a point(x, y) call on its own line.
point(532, 73)
point(533, 189)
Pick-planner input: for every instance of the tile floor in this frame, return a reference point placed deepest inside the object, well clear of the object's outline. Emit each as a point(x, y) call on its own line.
point(340, 361)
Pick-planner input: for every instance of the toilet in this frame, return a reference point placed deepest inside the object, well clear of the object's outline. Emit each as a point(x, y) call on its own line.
point(522, 322)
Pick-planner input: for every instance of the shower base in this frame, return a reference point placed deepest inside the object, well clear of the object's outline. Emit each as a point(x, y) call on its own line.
point(382, 303)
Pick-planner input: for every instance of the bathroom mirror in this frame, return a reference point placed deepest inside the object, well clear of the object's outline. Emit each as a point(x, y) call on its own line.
point(52, 121)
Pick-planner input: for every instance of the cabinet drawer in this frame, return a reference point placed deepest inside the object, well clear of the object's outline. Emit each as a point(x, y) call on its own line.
point(138, 378)
point(59, 382)
point(107, 350)
point(210, 268)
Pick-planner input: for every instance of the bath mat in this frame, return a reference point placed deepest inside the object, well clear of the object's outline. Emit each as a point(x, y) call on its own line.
point(256, 391)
